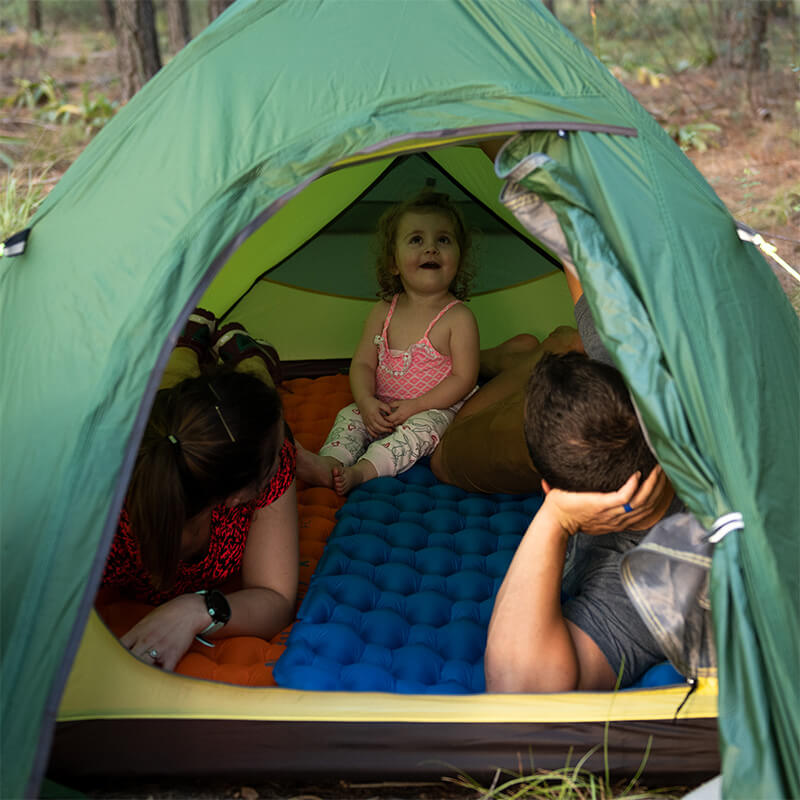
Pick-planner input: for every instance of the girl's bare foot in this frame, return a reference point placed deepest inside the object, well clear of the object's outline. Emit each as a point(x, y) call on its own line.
point(504, 355)
point(347, 478)
point(314, 469)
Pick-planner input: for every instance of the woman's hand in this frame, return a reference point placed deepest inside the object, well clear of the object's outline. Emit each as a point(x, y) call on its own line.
point(167, 632)
point(375, 414)
point(598, 513)
point(401, 411)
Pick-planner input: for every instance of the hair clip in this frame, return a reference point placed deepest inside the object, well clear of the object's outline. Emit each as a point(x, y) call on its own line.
point(220, 414)
point(224, 424)
point(173, 440)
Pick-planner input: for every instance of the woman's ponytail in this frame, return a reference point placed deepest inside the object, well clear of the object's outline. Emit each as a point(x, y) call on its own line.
point(206, 439)
point(157, 505)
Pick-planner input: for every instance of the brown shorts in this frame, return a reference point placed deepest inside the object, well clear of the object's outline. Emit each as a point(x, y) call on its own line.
point(486, 452)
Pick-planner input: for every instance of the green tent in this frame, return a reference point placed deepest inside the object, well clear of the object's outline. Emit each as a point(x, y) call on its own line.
point(255, 137)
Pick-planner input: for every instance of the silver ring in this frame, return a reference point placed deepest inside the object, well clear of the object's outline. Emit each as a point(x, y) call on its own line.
point(153, 653)
point(628, 508)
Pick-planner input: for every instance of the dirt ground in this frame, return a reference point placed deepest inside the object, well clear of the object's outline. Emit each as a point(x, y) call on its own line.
point(752, 162)
point(333, 790)
point(231, 790)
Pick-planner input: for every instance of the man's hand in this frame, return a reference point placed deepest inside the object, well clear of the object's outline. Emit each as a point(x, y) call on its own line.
point(598, 513)
point(375, 414)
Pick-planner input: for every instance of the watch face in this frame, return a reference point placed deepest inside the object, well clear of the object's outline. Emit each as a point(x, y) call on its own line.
point(217, 605)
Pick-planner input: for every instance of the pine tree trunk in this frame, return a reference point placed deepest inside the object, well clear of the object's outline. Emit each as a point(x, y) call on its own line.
point(178, 24)
point(216, 7)
point(109, 14)
point(728, 31)
point(137, 45)
point(758, 60)
point(34, 15)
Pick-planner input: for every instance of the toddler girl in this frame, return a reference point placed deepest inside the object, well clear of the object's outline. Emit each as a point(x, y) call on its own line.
point(417, 360)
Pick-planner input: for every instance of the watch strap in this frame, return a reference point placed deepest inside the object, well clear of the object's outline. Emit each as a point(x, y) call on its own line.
point(212, 627)
point(215, 623)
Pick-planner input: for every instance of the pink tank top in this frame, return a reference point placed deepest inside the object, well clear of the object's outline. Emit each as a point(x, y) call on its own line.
point(403, 375)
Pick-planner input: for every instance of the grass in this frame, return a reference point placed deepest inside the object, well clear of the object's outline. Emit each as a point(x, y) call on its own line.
point(567, 783)
point(21, 196)
point(782, 209)
point(570, 782)
point(42, 131)
point(794, 299)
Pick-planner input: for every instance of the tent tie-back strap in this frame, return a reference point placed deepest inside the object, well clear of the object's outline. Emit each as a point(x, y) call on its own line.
point(724, 525)
point(747, 234)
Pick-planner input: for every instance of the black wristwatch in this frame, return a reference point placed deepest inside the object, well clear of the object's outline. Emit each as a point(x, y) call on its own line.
point(218, 609)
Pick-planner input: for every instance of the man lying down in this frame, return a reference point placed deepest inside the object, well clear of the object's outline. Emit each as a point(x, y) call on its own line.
point(570, 415)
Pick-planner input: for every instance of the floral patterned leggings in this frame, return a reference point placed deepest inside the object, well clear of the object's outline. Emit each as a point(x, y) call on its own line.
point(350, 441)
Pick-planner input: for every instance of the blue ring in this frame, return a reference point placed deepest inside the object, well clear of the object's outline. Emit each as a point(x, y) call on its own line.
point(628, 508)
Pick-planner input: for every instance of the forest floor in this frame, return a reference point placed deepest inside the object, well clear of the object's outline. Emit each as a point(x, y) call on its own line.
point(751, 158)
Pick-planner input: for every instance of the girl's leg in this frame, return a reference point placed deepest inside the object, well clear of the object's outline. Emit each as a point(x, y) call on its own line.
point(397, 452)
point(347, 440)
point(191, 349)
point(233, 345)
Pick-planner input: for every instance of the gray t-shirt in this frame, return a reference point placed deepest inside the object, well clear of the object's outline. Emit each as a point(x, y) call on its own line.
point(592, 343)
point(596, 600)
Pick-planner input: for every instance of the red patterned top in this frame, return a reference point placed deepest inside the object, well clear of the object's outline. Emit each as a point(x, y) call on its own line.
point(229, 529)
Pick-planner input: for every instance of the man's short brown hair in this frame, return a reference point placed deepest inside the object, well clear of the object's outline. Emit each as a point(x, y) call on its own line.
point(580, 425)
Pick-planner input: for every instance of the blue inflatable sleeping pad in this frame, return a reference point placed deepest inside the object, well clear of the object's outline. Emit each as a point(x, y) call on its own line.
point(401, 598)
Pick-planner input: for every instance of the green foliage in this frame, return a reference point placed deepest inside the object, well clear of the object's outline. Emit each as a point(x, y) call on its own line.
point(693, 135)
point(624, 33)
point(9, 145)
point(47, 100)
point(92, 112)
point(35, 94)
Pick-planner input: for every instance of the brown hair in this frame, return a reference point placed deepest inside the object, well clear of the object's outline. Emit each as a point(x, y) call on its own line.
point(206, 438)
point(580, 425)
point(426, 202)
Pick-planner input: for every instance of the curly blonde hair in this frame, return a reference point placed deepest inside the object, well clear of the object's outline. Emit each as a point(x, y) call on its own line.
point(425, 202)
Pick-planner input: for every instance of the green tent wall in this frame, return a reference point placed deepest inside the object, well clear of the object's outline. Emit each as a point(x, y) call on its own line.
point(267, 99)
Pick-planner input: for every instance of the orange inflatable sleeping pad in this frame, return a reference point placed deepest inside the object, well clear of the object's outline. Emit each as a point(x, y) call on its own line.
point(310, 406)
